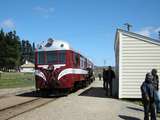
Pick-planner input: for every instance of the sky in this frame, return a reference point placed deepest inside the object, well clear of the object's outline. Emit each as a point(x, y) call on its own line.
point(88, 25)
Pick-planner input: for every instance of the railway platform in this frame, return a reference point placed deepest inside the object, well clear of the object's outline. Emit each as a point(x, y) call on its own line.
point(86, 104)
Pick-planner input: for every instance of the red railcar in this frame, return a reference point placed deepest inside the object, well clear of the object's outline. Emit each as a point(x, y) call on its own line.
point(59, 67)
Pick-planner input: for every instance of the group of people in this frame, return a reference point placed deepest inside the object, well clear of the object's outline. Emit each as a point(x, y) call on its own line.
point(108, 76)
point(149, 89)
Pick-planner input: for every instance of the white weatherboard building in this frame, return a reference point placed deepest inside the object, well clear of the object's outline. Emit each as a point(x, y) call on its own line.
point(27, 67)
point(135, 56)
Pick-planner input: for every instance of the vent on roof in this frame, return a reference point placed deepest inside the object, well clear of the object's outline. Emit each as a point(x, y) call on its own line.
point(62, 45)
point(49, 43)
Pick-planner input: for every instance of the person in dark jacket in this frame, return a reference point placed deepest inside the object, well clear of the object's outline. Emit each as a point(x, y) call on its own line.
point(104, 78)
point(99, 75)
point(155, 82)
point(110, 75)
point(155, 79)
point(148, 92)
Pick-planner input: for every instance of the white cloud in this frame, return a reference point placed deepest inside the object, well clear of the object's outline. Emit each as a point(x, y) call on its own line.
point(8, 24)
point(149, 31)
point(157, 29)
point(45, 12)
point(146, 31)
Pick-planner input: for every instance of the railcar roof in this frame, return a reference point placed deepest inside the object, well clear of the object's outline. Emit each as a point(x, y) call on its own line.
point(51, 45)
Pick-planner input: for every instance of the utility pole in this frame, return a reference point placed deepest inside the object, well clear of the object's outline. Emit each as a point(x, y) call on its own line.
point(104, 62)
point(128, 26)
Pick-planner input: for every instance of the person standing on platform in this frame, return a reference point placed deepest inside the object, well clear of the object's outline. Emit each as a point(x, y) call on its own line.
point(99, 75)
point(155, 82)
point(148, 93)
point(110, 75)
point(155, 79)
point(104, 78)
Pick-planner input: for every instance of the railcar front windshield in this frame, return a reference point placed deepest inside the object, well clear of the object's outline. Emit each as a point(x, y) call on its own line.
point(51, 57)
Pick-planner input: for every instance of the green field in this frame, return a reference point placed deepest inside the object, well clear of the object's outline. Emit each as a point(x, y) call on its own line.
point(13, 80)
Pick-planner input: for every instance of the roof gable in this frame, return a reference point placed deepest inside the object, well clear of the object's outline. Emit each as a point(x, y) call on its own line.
point(138, 36)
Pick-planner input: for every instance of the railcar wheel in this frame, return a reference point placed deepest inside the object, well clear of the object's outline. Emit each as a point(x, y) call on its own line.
point(85, 83)
point(44, 93)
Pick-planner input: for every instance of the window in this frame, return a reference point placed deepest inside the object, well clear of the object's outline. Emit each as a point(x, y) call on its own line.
point(82, 62)
point(51, 57)
point(41, 57)
point(62, 57)
point(76, 59)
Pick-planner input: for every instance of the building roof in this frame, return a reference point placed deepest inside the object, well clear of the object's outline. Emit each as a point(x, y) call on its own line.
point(135, 35)
point(27, 65)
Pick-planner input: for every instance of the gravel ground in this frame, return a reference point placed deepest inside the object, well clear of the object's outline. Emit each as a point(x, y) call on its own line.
point(13, 100)
point(14, 96)
point(86, 104)
point(13, 91)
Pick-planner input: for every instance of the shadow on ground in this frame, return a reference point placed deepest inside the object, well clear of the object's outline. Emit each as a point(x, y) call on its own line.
point(134, 108)
point(94, 92)
point(40, 94)
point(124, 117)
point(30, 94)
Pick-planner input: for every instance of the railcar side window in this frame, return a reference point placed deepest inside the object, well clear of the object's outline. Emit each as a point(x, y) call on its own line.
point(51, 57)
point(41, 57)
point(76, 59)
point(82, 62)
point(62, 57)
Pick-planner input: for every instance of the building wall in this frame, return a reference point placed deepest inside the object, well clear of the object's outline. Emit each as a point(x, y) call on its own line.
point(31, 70)
point(137, 57)
point(116, 82)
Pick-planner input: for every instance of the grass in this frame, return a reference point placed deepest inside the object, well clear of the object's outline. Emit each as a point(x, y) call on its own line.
point(14, 80)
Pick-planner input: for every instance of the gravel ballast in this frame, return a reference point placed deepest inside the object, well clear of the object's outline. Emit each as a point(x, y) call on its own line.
point(86, 104)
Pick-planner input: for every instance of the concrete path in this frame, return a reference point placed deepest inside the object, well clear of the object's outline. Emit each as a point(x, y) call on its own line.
point(86, 104)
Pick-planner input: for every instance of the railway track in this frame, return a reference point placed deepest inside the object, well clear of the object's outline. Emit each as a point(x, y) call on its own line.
point(16, 93)
point(13, 111)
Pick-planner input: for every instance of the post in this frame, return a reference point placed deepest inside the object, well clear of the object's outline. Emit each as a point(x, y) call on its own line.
point(104, 62)
point(0, 75)
point(128, 26)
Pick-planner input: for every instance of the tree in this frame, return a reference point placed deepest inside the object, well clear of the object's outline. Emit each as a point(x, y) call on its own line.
point(27, 51)
point(13, 53)
point(9, 50)
point(2, 48)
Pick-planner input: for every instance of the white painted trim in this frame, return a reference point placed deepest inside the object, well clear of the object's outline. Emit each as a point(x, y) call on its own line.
point(55, 66)
point(71, 71)
point(43, 66)
point(40, 74)
point(120, 65)
point(58, 66)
